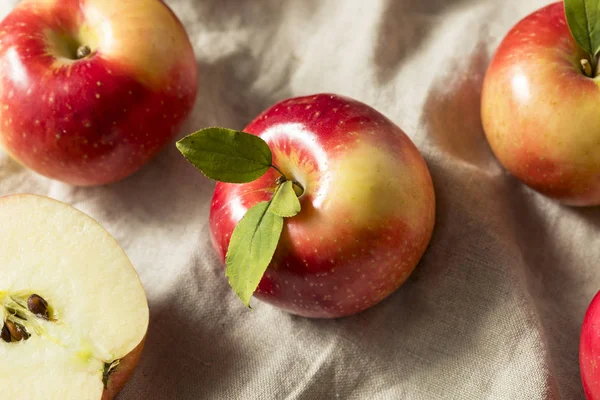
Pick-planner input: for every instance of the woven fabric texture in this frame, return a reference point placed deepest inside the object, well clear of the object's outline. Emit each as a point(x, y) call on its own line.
point(494, 309)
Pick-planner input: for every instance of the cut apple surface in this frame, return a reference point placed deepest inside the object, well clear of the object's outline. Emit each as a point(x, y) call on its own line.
point(73, 311)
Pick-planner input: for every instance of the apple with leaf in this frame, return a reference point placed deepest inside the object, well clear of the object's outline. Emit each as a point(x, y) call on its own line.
point(540, 101)
point(323, 207)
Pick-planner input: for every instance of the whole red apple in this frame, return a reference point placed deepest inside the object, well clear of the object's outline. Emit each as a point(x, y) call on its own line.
point(589, 350)
point(540, 111)
point(91, 90)
point(368, 206)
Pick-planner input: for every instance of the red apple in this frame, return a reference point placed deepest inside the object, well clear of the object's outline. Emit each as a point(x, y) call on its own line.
point(368, 206)
point(589, 350)
point(540, 111)
point(90, 119)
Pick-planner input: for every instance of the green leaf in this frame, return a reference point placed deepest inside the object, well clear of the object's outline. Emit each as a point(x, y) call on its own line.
point(582, 17)
point(285, 203)
point(251, 249)
point(226, 155)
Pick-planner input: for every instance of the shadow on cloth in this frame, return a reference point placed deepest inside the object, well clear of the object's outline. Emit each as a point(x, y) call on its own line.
point(549, 284)
point(404, 26)
point(452, 118)
point(188, 346)
point(256, 14)
point(227, 95)
point(451, 113)
point(588, 214)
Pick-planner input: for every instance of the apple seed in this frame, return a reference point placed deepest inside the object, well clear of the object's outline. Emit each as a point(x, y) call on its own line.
point(17, 331)
point(6, 334)
point(37, 305)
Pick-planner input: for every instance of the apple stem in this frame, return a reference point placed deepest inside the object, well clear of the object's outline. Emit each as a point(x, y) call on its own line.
point(586, 67)
point(109, 368)
point(298, 189)
point(83, 51)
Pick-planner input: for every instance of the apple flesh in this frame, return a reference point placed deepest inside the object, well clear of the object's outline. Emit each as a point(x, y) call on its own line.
point(368, 206)
point(96, 118)
point(540, 111)
point(91, 336)
point(589, 350)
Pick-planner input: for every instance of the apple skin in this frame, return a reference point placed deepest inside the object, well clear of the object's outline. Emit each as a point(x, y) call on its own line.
point(123, 372)
point(540, 112)
point(368, 208)
point(98, 119)
point(589, 350)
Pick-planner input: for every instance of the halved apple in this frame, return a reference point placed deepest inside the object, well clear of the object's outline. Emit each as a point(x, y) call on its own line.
point(73, 311)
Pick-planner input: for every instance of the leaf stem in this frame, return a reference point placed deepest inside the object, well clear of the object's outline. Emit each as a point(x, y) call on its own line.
point(298, 188)
point(278, 170)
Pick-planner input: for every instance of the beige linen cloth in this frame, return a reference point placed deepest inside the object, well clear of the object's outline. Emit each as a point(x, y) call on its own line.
point(494, 309)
